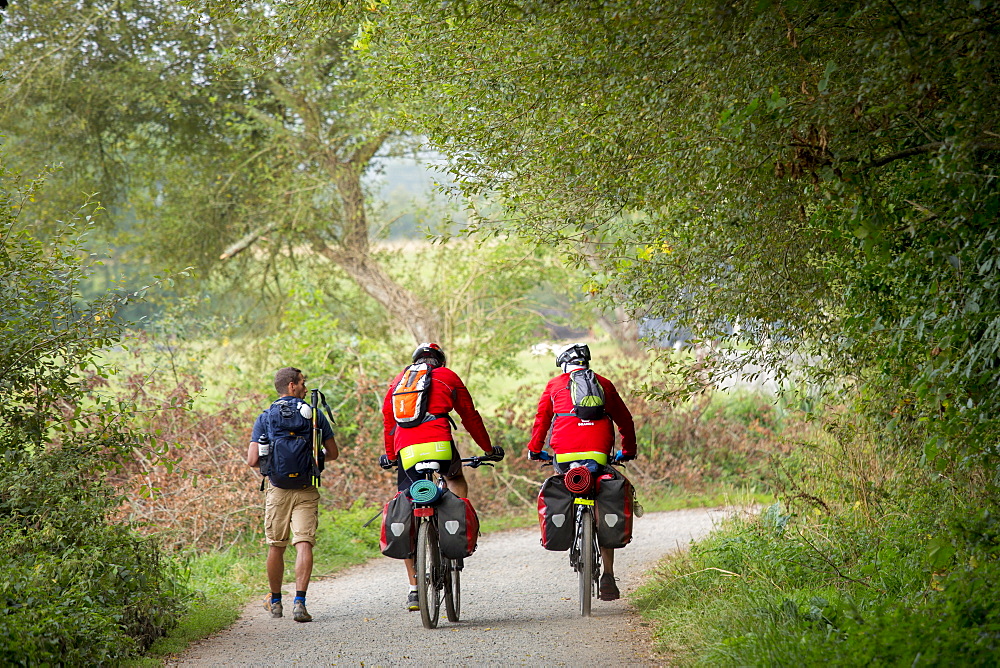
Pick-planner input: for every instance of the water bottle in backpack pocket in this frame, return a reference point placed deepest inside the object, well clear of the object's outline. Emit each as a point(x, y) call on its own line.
point(555, 514)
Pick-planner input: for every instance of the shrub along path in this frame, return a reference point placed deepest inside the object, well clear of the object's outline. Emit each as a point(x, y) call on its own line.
point(519, 607)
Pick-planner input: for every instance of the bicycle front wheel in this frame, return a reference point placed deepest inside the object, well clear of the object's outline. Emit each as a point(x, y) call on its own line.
point(587, 559)
point(428, 568)
point(452, 590)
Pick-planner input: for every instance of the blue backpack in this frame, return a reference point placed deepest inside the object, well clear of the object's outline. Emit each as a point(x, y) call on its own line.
point(290, 463)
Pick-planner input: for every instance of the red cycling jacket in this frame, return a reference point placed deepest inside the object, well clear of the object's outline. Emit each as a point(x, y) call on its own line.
point(571, 434)
point(448, 393)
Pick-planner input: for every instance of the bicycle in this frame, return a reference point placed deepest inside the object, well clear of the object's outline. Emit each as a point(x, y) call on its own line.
point(437, 575)
point(584, 552)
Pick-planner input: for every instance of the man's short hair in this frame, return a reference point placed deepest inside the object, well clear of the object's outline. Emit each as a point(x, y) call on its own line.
point(285, 376)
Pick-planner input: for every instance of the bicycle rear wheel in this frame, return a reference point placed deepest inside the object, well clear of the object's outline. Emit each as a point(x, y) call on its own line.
point(452, 590)
point(428, 568)
point(587, 558)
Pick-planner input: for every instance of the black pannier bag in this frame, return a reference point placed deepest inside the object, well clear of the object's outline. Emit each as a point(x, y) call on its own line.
point(458, 526)
point(399, 536)
point(613, 507)
point(555, 514)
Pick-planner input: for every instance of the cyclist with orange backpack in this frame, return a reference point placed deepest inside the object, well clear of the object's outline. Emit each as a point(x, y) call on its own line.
point(577, 413)
point(417, 428)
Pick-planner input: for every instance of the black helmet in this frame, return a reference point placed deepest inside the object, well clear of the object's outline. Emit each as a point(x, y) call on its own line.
point(574, 353)
point(429, 350)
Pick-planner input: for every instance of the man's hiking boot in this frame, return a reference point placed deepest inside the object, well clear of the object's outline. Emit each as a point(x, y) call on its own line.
point(412, 602)
point(299, 612)
point(274, 607)
point(608, 590)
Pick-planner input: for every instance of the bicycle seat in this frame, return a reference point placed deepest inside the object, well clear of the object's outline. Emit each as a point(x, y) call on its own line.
point(427, 466)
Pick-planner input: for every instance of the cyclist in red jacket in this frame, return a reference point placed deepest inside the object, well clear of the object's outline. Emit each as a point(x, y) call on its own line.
point(589, 442)
point(431, 439)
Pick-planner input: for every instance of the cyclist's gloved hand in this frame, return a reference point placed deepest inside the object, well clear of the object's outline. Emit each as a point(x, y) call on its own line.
point(622, 457)
point(539, 456)
point(385, 462)
point(496, 454)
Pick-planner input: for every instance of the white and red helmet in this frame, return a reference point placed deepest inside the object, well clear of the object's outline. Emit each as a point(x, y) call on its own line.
point(429, 350)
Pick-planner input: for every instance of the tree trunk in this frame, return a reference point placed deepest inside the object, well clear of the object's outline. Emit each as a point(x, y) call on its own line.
point(353, 253)
point(405, 308)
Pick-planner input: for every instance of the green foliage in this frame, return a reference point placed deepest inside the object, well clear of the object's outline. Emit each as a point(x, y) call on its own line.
point(822, 175)
point(212, 149)
point(904, 575)
point(77, 587)
point(343, 540)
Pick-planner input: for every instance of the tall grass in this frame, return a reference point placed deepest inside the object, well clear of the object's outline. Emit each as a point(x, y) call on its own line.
point(866, 560)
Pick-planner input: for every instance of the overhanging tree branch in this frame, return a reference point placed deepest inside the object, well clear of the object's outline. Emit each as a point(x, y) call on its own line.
point(246, 241)
point(916, 150)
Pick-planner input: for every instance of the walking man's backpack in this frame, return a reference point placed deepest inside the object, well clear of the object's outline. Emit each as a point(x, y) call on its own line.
point(290, 463)
point(410, 396)
point(587, 394)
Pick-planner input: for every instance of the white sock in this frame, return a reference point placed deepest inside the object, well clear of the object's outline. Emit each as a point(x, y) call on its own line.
point(413, 587)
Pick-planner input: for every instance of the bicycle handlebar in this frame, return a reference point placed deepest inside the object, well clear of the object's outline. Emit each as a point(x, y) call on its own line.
point(476, 462)
point(550, 462)
point(471, 462)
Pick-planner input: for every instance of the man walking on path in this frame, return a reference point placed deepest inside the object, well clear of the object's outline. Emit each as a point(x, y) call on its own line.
point(429, 438)
point(579, 441)
point(282, 441)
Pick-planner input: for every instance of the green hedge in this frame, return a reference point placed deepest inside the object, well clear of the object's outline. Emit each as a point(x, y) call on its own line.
point(75, 588)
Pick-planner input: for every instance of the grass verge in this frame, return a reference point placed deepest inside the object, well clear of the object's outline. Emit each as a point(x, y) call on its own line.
point(912, 581)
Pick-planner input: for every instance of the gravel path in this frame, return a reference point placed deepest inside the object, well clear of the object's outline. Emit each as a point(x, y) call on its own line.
point(519, 608)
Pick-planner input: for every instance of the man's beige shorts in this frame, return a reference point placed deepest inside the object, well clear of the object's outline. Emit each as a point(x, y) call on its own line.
point(294, 511)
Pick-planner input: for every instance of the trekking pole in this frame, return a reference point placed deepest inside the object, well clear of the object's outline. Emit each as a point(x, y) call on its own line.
point(317, 437)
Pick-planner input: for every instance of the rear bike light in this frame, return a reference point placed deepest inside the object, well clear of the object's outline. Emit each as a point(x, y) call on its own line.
point(424, 491)
point(578, 480)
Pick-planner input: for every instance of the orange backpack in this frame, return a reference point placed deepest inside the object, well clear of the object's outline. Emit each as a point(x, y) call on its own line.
point(411, 394)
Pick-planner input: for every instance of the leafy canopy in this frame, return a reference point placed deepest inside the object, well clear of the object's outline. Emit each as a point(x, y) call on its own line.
point(822, 177)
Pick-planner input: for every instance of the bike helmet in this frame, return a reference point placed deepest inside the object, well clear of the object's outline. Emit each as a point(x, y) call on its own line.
point(429, 350)
point(574, 353)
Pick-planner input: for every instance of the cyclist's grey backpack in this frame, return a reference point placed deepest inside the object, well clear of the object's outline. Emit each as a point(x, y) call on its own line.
point(555, 514)
point(399, 538)
point(290, 463)
point(613, 506)
point(458, 526)
point(587, 395)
